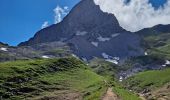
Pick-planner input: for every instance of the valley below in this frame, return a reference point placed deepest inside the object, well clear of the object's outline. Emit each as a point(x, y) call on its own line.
point(88, 56)
point(55, 79)
point(50, 71)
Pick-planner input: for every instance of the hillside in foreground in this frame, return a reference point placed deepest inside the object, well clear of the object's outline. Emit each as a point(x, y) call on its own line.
point(53, 78)
point(153, 85)
point(57, 79)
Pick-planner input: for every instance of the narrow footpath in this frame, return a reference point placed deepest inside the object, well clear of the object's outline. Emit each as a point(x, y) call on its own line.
point(110, 95)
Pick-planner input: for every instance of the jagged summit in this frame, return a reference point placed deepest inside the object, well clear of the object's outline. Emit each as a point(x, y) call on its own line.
point(85, 16)
point(90, 33)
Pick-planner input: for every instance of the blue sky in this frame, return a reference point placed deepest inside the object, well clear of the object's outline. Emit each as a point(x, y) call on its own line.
point(157, 3)
point(20, 19)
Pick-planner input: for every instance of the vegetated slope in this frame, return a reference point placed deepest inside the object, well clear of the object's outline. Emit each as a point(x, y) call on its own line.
point(156, 40)
point(49, 79)
point(44, 50)
point(154, 30)
point(104, 68)
point(124, 93)
point(158, 44)
point(152, 84)
point(110, 71)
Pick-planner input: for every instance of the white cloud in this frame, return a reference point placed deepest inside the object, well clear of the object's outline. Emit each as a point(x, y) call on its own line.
point(44, 25)
point(66, 8)
point(137, 14)
point(60, 13)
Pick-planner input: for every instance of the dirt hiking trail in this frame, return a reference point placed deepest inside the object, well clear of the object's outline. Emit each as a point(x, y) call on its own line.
point(110, 95)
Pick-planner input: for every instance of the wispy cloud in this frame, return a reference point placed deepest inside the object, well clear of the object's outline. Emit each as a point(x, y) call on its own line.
point(60, 13)
point(44, 25)
point(137, 14)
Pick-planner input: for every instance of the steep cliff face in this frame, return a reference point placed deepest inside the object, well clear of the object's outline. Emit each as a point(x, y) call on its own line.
point(91, 33)
point(85, 16)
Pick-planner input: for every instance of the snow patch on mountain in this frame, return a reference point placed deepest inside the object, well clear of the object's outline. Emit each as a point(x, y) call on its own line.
point(75, 56)
point(105, 55)
point(114, 60)
point(84, 59)
point(115, 35)
point(45, 56)
point(81, 33)
point(3, 49)
point(167, 62)
point(120, 79)
point(103, 39)
point(146, 53)
point(95, 44)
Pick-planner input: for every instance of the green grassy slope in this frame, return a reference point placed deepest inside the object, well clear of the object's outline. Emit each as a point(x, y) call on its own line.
point(150, 81)
point(59, 78)
point(125, 94)
point(104, 68)
point(158, 45)
point(109, 70)
point(49, 78)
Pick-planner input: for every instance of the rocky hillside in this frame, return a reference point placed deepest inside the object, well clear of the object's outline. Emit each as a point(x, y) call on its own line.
point(154, 30)
point(95, 34)
point(149, 85)
point(43, 50)
point(47, 66)
point(91, 33)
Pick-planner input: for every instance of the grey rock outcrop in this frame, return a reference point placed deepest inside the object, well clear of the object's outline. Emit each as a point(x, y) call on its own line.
point(90, 33)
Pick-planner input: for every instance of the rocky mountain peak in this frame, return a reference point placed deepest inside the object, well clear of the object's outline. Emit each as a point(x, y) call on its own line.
point(85, 16)
point(90, 33)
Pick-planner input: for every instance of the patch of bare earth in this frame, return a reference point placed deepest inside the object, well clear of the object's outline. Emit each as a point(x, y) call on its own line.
point(162, 93)
point(110, 95)
point(141, 97)
point(60, 95)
